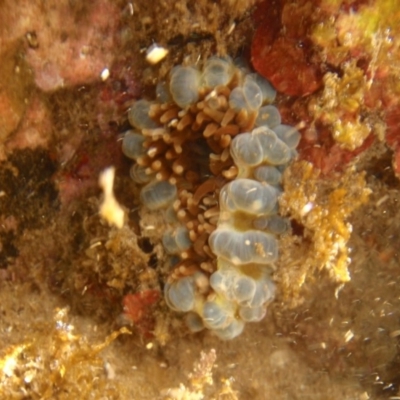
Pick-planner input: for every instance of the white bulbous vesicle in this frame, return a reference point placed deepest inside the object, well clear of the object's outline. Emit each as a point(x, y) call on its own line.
point(240, 288)
point(268, 116)
point(275, 151)
point(248, 195)
point(184, 85)
point(252, 94)
point(246, 97)
point(246, 150)
point(240, 248)
point(223, 280)
point(260, 145)
point(218, 314)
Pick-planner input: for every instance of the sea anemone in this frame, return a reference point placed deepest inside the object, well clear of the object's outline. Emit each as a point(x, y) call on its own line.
point(210, 151)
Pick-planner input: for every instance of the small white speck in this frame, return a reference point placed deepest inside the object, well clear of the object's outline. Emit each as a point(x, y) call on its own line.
point(395, 334)
point(109, 370)
point(231, 28)
point(105, 74)
point(212, 95)
point(338, 289)
point(348, 336)
point(130, 8)
point(155, 53)
point(307, 208)
point(110, 209)
point(382, 200)
point(151, 152)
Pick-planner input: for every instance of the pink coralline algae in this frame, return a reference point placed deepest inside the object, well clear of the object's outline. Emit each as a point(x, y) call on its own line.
point(340, 60)
point(35, 129)
point(80, 51)
point(393, 135)
point(65, 46)
point(80, 175)
point(137, 309)
point(284, 56)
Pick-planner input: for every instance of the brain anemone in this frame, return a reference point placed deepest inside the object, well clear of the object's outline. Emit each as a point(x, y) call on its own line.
point(209, 151)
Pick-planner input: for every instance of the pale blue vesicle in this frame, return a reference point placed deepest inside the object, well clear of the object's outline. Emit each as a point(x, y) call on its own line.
point(252, 314)
point(132, 144)
point(180, 294)
point(252, 94)
point(234, 329)
point(277, 224)
point(273, 223)
point(237, 99)
point(268, 174)
point(217, 315)
point(176, 241)
point(138, 115)
point(156, 195)
point(244, 289)
point(249, 196)
point(139, 174)
point(267, 90)
point(288, 134)
point(162, 92)
point(264, 293)
point(194, 322)
point(244, 247)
